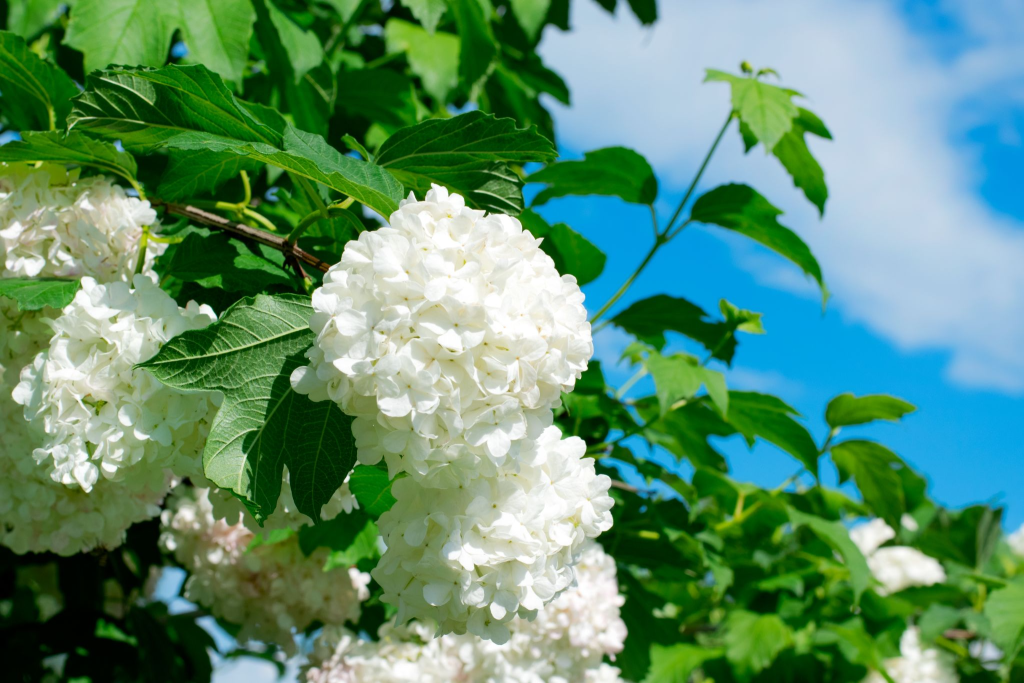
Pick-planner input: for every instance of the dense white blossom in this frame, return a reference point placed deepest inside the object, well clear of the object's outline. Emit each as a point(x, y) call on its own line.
point(271, 590)
point(95, 445)
point(895, 567)
point(448, 334)
point(916, 664)
point(564, 644)
point(53, 224)
point(475, 554)
point(101, 416)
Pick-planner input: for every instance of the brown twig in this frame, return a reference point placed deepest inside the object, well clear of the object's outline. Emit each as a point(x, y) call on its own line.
point(616, 484)
point(244, 231)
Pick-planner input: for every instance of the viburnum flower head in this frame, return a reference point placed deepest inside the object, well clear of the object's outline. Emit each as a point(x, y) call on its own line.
point(271, 590)
point(895, 567)
point(99, 414)
point(54, 224)
point(564, 644)
point(917, 664)
point(475, 554)
point(447, 327)
point(95, 444)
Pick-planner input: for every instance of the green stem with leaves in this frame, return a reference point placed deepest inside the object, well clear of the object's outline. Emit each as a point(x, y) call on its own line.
point(663, 237)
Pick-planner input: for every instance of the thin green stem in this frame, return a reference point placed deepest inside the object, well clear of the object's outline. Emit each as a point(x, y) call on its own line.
point(667, 235)
point(314, 216)
point(259, 218)
point(639, 375)
point(143, 242)
point(632, 278)
point(248, 189)
point(700, 173)
point(654, 220)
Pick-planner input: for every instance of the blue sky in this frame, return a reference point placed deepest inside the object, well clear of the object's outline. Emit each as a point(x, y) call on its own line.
point(922, 243)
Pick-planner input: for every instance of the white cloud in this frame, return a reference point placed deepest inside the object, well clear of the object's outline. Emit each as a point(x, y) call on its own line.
point(907, 246)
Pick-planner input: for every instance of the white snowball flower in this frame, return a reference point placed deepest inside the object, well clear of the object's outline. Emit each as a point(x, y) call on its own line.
point(477, 553)
point(917, 664)
point(101, 417)
point(895, 567)
point(564, 644)
point(53, 224)
point(450, 327)
point(1016, 541)
point(272, 590)
point(39, 515)
point(85, 412)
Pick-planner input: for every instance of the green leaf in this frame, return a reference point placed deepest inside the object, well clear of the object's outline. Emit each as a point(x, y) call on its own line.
point(531, 15)
point(121, 31)
point(872, 466)
point(217, 33)
point(337, 533)
point(796, 158)
point(302, 47)
point(762, 416)
point(434, 57)
point(686, 432)
point(363, 546)
point(1005, 611)
point(144, 108)
point(572, 252)
point(36, 95)
point(680, 376)
point(427, 12)
point(468, 153)
point(372, 488)
point(767, 110)
point(675, 663)
point(190, 108)
point(612, 171)
point(837, 536)
point(936, 619)
point(73, 148)
point(294, 60)
point(248, 355)
point(643, 628)
point(190, 174)
point(645, 10)
point(478, 48)
point(219, 261)
point(650, 318)
point(28, 17)
point(753, 641)
point(846, 409)
point(378, 95)
point(37, 294)
point(347, 8)
point(742, 209)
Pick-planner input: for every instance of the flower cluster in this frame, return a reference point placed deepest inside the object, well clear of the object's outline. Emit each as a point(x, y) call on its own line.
point(895, 567)
point(95, 444)
point(566, 642)
point(916, 664)
point(485, 549)
point(270, 589)
point(449, 336)
point(450, 327)
point(55, 225)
